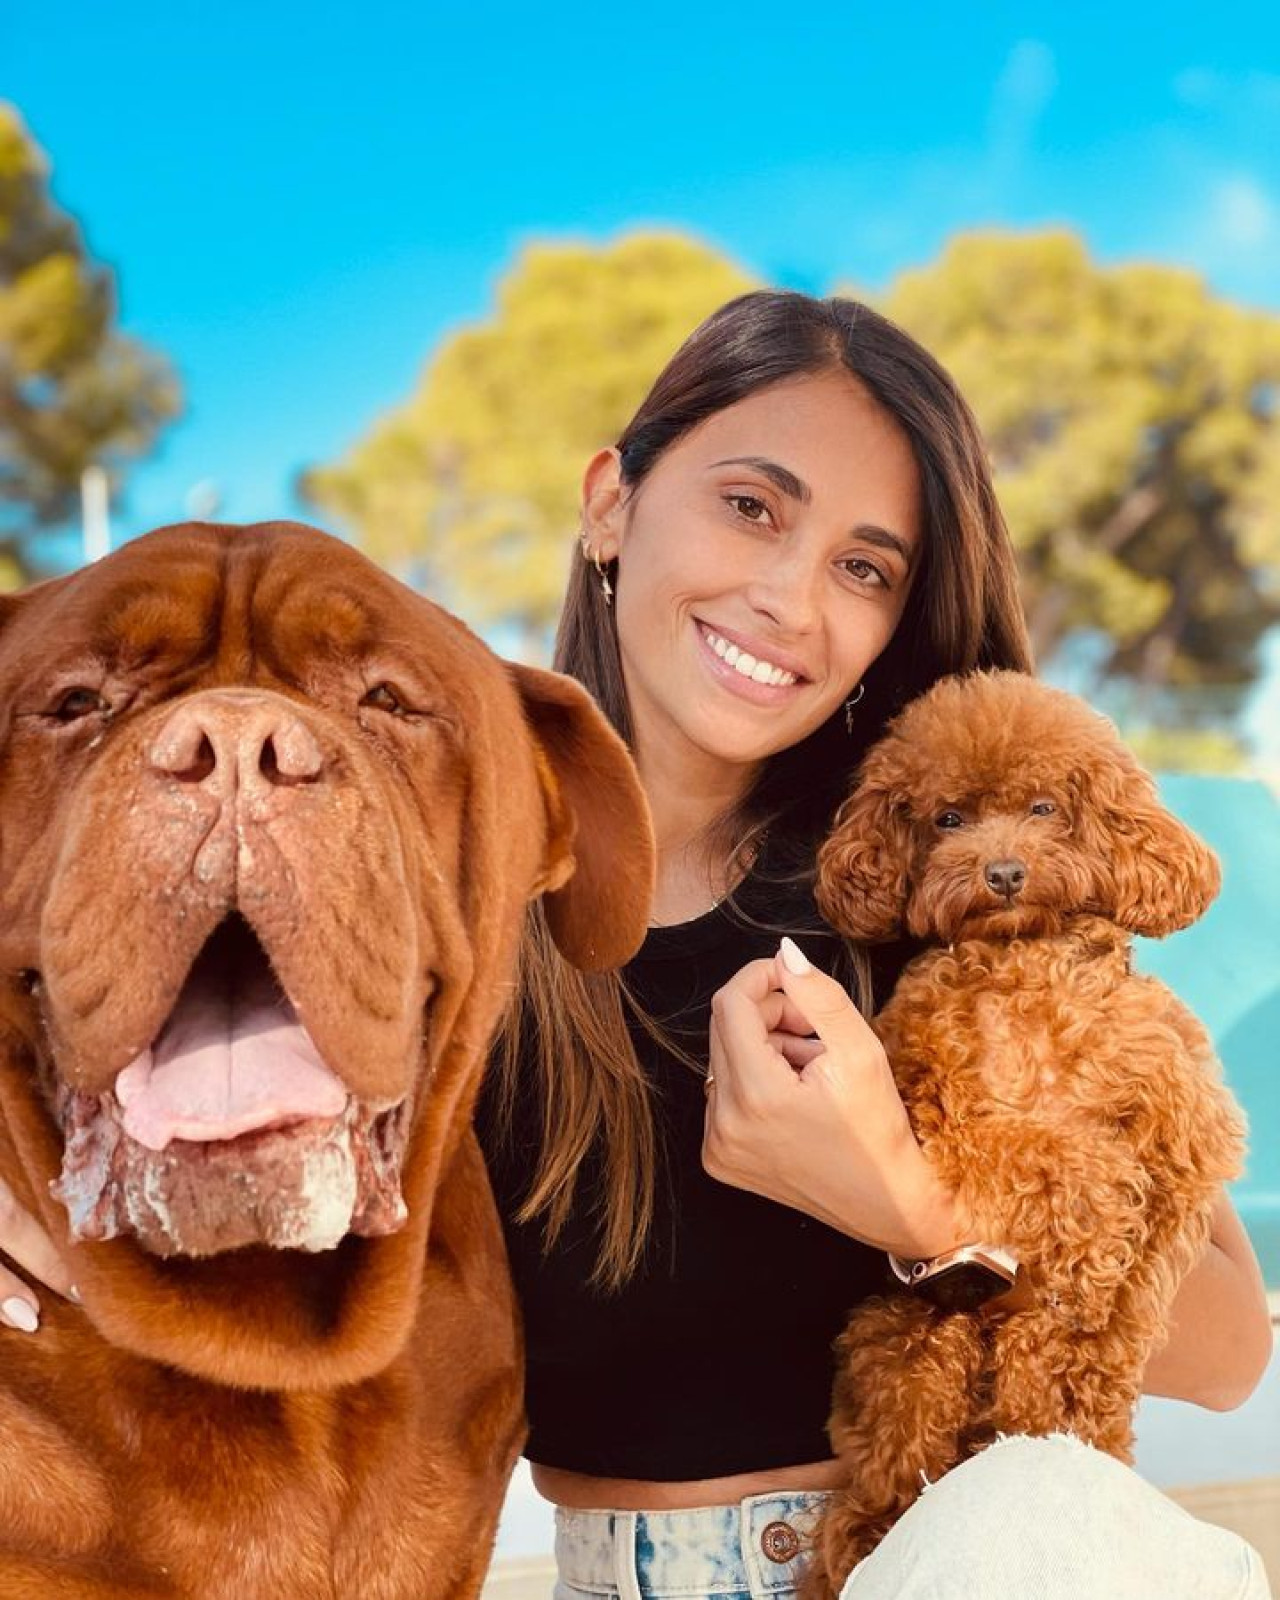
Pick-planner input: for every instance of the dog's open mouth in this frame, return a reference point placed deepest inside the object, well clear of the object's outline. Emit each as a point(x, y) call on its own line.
point(229, 1129)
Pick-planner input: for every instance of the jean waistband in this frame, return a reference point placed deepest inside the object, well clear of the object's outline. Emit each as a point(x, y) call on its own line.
point(757, 1545)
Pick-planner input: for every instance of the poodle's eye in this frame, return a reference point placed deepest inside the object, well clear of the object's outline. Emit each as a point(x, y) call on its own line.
point(949, 819)
point(1042, 808)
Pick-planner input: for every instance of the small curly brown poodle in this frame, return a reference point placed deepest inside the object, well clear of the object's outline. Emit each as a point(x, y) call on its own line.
point(1074, 1107)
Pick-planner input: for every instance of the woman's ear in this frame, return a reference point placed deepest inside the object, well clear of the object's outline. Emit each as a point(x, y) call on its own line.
point(864, 868)
point(603, 499)
point(597, 879)
point(1154, 875)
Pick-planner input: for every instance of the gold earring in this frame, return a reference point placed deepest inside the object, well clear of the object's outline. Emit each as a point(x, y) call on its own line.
point(588, 554)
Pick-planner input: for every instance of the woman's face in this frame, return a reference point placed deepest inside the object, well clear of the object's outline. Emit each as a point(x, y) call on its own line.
point(763, 565)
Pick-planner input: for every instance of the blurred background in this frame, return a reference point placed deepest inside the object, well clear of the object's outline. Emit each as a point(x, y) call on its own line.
point(400, 271)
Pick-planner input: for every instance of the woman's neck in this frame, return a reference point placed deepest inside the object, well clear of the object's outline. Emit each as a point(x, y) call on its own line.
point(694, 867)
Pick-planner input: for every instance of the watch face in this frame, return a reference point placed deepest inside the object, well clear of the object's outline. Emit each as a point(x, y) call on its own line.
point(963, 1286)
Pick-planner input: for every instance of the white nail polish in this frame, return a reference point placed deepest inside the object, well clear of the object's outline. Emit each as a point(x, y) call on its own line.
point(20, 1314)
point(74, 1295)
point(793, 957)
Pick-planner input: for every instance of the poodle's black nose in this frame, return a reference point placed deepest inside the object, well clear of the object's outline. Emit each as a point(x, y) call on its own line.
point(1006, 877)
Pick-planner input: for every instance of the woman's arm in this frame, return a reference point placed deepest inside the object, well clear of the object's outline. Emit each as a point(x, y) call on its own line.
point(1220, 1337)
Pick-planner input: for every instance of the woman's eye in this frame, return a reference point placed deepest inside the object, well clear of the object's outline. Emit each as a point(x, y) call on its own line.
point(1043, 808)
point(949, 819)
point(382, 697)
point(748, 506)
point(865, 571)
point(78, 703)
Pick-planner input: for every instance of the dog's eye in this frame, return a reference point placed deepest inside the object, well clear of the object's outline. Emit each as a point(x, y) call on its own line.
point(384, 698)
point(949, 819)
point(414, 706)
point(77, 703)
point(1043, 808)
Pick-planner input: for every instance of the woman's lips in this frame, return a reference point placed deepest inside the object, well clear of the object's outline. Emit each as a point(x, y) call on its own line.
point(760, 694)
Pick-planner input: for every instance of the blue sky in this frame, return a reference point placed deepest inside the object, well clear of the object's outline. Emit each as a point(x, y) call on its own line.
point(299, 200)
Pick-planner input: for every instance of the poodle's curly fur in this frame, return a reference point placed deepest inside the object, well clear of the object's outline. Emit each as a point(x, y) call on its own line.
point(1075, 1108)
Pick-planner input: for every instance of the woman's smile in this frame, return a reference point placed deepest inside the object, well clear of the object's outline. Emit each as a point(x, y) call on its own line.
point(756, 672)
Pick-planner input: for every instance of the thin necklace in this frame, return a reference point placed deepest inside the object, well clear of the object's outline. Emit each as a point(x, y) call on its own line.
point(750, 855)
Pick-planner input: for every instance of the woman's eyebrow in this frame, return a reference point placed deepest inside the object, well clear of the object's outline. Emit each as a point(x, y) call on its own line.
point(798, 489)
point(777, 474)
point(886, 540)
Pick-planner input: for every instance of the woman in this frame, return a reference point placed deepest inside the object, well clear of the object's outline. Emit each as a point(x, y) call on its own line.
point(796, 534)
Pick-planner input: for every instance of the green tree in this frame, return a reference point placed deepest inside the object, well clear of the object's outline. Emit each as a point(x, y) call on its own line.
point(471, 487)
point(73, 392)
point(1132, 419)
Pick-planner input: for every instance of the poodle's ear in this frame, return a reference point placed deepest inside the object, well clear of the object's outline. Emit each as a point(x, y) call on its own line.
point(864, 867)
point(1157, 875)
point(597, 878)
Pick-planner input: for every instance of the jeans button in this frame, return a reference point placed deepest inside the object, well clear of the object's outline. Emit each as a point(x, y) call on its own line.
point(780, 1542)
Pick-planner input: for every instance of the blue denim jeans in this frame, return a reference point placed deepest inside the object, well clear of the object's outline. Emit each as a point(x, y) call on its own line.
point(1027, 1519)
point(732, 1552)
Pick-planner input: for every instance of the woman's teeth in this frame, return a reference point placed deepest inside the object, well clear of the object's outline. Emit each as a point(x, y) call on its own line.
point(747, 665)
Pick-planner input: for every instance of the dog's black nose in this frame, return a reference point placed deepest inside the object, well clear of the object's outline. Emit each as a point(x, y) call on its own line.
point(1006, 877)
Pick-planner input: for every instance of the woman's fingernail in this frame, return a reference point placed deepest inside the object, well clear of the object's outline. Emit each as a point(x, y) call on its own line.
point(793, 957)
point(20, 1314)
point(73, 1293)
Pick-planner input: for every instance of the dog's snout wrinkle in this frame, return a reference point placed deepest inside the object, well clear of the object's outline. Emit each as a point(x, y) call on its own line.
point(1007, 877)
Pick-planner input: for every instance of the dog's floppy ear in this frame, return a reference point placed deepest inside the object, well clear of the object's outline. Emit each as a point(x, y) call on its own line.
point(597, 881)
point(1158, 875)
point(865, 865)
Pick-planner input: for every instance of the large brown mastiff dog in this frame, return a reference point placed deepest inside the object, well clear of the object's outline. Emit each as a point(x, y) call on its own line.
point(268, 826)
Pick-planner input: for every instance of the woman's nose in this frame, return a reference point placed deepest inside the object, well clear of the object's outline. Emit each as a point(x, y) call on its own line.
point(786, 590)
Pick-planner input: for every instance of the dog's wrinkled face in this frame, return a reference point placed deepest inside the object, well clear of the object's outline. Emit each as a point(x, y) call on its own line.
point(996, 807)
point(262, 814)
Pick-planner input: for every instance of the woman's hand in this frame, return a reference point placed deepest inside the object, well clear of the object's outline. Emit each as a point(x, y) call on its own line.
point(25, 1241)
point(817, 1123)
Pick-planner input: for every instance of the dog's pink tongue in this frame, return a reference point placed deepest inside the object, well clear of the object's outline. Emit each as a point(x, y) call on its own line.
point(224, 1064)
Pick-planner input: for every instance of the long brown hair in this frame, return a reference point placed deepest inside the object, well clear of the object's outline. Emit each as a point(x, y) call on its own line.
point(565, 1039)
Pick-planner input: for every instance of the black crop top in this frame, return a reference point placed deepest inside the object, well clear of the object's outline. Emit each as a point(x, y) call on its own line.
point(715, 1358)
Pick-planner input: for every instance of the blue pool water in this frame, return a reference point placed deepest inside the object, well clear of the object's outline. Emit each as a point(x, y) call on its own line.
point(1227, 969)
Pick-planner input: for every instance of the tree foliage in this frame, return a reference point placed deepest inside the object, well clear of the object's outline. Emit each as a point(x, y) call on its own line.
point(472, 485)
point(1133, 421)
point(73, 392)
